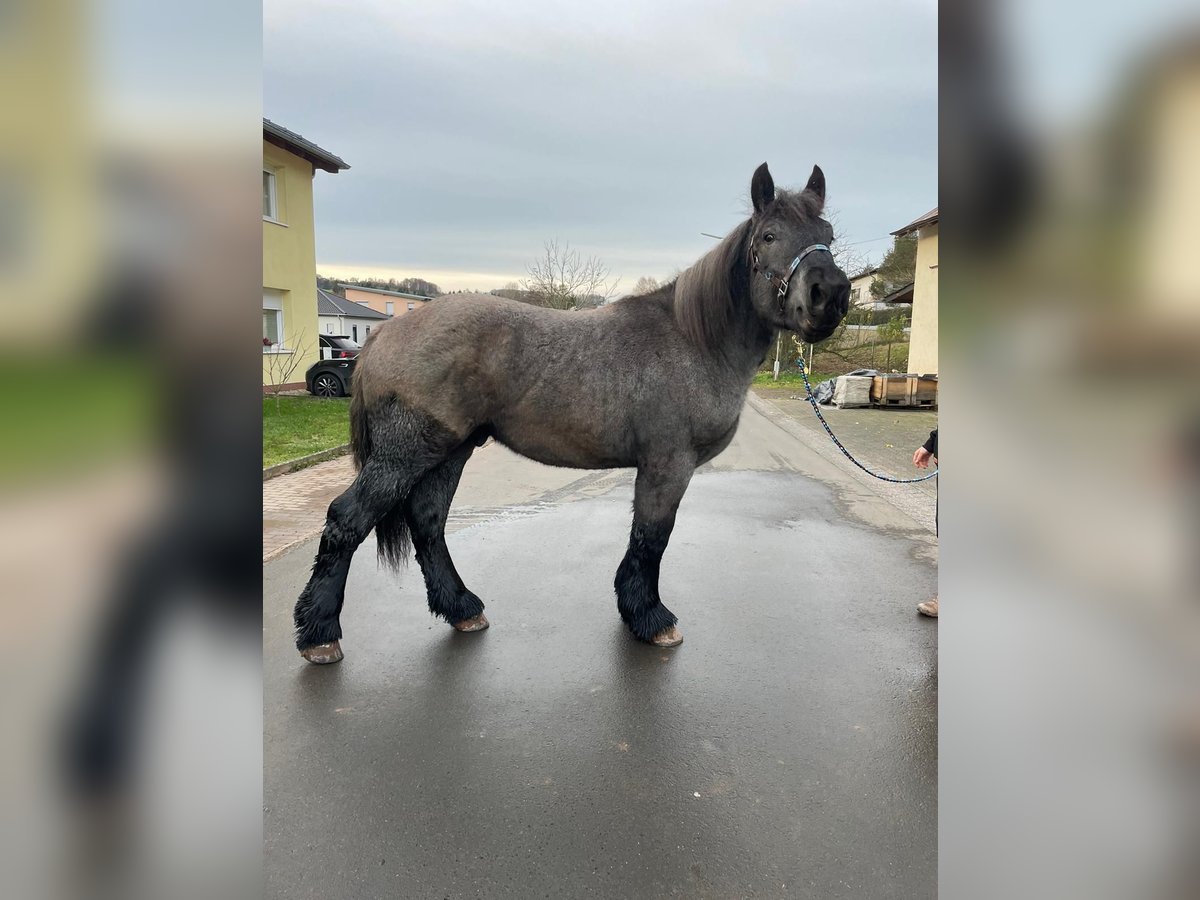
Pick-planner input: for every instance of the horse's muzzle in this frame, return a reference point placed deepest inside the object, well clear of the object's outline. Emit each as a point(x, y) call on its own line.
point(827, 298)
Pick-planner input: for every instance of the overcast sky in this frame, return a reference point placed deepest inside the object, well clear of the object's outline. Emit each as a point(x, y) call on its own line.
point(478, 130)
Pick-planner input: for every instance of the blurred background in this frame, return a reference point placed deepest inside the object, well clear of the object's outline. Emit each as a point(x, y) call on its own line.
point(130, 760)
point(130, 252)
point(1069, 716)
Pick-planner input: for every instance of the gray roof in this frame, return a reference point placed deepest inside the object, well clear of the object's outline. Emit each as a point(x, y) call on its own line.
point(864, 273)
point(359, 287)
point(302, 147)
point(332, 305)
point(928, 219)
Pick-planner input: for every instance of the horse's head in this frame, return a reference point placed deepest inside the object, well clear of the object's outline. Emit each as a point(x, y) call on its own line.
point(795, 284)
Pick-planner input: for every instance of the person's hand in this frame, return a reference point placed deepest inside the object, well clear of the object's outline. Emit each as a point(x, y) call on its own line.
point(921, 458)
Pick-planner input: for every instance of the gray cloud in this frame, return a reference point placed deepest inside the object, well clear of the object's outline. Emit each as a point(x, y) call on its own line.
point(476, 133)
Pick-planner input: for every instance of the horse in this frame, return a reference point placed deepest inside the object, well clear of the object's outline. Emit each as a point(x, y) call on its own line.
point(655, 382)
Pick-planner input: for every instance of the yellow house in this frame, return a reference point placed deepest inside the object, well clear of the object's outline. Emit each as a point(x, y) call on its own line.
point(289, 253)
point(923, 345)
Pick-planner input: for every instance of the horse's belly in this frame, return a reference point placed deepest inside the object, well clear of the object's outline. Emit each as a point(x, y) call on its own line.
point(567, 446)
point(565, 456)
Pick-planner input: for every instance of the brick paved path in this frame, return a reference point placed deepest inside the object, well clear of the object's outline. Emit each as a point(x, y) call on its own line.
point(497, 483)
point(294, 505)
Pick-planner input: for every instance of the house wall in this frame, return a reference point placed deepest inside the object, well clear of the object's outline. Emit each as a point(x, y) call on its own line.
point(863, 286)
point(290, 256)
point(331, 325)
point(345, 325)
point(378, 302)
point(923, 345)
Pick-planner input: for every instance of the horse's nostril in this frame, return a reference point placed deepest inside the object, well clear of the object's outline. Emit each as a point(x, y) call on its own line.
point(815, 297)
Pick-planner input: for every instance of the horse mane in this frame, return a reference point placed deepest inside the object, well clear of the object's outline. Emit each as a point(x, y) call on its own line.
point(704, 293)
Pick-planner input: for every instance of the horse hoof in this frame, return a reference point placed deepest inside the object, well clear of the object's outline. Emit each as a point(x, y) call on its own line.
point(670, 636)
point(475, 623)
point(323, 654)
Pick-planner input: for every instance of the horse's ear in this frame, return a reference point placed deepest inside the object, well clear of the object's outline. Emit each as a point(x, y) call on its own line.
point(816, 184)
point(762, 188)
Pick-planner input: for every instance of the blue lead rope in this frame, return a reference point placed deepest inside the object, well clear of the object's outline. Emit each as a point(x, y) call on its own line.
point(833, 437)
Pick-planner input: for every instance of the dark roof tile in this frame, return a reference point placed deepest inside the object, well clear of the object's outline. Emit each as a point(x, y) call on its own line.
point(302, 147)
point(332, 305)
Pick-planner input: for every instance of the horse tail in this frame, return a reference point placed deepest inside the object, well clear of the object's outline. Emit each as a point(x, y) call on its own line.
point(391, 532)
point(360, 427)
point(392, 538)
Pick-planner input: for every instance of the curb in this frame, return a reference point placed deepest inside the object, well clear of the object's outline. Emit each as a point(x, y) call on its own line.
point(293, 465)
point(279, 551)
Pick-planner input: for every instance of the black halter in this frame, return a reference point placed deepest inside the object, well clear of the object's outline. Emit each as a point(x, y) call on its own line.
point(785, 281)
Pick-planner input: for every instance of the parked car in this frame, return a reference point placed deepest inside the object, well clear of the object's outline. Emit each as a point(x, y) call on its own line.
point(330, 377)
point(338, 346)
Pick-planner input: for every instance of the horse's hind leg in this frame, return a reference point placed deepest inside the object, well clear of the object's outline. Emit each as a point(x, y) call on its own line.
point(657, 493)
point(426, 510)
point(381, 485)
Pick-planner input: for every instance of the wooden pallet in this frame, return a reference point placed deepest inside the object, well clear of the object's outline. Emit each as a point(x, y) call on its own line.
point(904, 390)
point(902, 401)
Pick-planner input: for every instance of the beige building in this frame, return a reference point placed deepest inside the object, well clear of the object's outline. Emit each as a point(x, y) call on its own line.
point(923, 346)
point(390, 303)
point(860, 287)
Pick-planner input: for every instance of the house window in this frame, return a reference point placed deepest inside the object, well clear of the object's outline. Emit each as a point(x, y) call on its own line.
point(391, 308)
point(270, 200)
point(328, 328)
point(272, 321)
point(368, 329)
point(354, 333)
point(855, 295)
point(411, 307)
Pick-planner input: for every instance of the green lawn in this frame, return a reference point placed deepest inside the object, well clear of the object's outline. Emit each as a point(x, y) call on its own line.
point(788, 379)
point(303, 425)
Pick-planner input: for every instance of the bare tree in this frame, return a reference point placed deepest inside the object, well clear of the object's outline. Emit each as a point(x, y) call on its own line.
point(511, 291)
point(562, 279)
point(850, 259)
point(281, 364)
point(645, 285)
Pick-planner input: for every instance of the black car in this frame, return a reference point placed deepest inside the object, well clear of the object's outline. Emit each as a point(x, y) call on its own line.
point(338, 346)
point(330, 375)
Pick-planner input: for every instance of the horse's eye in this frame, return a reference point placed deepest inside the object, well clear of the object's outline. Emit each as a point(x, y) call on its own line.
point(768, 237)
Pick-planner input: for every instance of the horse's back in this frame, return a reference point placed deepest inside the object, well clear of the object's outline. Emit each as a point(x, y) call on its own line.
point(588, 388)
point(461, 357)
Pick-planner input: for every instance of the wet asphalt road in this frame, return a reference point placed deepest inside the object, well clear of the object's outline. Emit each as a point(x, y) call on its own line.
point(787, 748)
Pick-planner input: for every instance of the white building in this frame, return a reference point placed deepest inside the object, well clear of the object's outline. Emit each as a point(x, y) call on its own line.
point(337, 315)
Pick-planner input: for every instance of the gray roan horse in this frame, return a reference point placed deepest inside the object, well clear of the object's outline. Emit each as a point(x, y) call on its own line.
point(655, 382)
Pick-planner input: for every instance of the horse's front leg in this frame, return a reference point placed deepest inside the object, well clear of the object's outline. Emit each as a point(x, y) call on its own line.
point(660, 486)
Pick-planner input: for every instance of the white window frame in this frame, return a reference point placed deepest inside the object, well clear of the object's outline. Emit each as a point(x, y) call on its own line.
point(390, 307)
point(273, 302)
point(273, 193)
point(411, 307)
